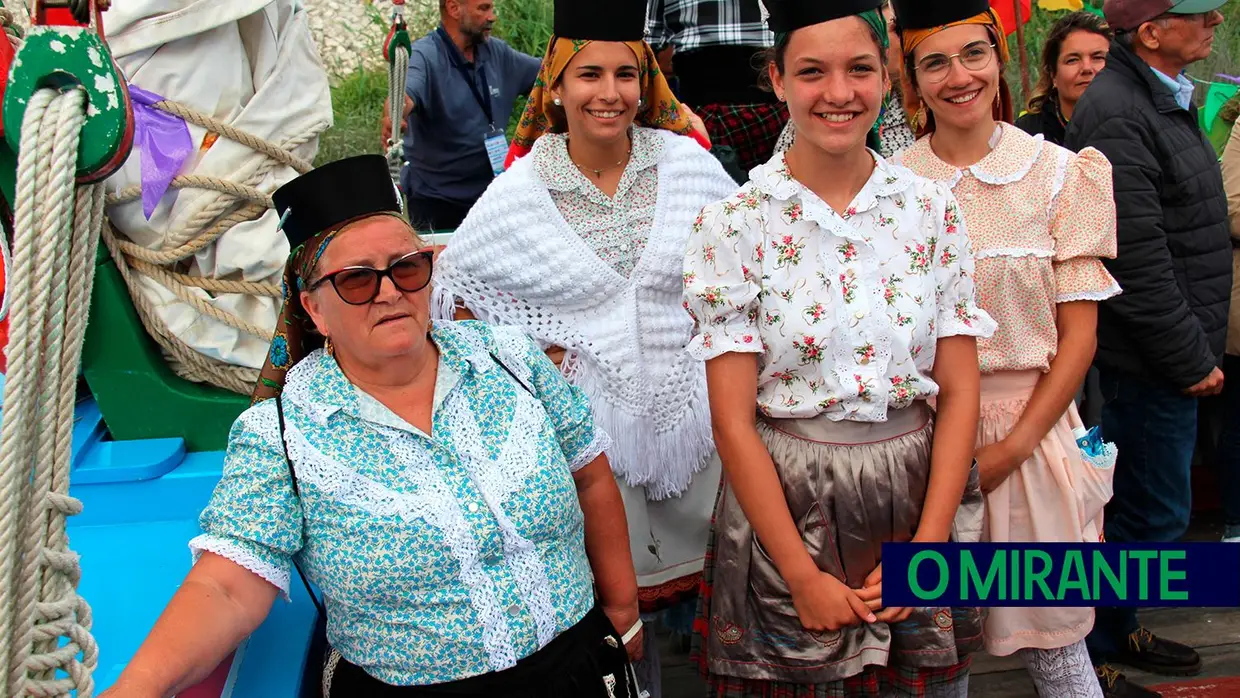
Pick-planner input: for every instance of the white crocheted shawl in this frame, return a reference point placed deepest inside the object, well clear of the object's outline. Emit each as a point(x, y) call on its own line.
point(516, 261)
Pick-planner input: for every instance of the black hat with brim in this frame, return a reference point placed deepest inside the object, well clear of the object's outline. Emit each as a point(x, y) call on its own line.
point(329, 196)
point(791, 15)
point(928, 14)
point(612, 20)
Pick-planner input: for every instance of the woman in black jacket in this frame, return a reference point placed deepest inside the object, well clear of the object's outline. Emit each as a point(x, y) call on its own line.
point(1076, 49)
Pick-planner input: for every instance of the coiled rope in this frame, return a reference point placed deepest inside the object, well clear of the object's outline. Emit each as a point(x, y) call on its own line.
point(234, 202)
point(44, 623)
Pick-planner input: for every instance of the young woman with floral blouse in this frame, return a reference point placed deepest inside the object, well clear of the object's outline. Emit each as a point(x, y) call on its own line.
point(833, 297)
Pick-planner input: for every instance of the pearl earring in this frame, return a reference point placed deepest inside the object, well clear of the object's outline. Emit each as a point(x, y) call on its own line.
point(557, 102)
point(640, 102)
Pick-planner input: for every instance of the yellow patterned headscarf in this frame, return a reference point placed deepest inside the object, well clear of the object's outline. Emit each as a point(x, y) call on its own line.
point(660, 108)
point(921, 120)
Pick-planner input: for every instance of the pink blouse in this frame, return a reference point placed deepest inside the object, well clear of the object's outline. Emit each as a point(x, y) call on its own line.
point(1040, 218)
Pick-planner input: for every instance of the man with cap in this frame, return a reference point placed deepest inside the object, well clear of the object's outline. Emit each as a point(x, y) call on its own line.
point(1161, 342)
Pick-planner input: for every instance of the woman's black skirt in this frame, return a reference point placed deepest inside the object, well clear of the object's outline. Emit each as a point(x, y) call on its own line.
point(585, 661)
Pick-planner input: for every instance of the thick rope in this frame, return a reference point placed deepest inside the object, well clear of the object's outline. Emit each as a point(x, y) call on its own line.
point(398, 69)
point(196, 229)
point(44, 624)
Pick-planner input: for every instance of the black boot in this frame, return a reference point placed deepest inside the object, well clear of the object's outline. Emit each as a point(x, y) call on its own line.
point(1116, 685)
point(1147, 652)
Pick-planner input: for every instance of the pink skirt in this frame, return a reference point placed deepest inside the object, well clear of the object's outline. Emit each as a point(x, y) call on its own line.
point(1055, 496)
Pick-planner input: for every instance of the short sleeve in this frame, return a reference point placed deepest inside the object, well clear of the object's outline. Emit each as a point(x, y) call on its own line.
point(567, 405)
point(1083, 226)
point(958, 312)
point(253, 518)
point(722, 278)
point(417, 80)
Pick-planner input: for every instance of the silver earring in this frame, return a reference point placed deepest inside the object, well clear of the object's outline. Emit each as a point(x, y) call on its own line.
point(557, 102)
point(640, 102)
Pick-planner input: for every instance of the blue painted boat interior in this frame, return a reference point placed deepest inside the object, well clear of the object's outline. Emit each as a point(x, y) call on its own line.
point(141, 501)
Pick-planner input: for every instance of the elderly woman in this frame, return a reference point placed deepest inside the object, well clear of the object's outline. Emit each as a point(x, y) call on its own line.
point(579, 243)
point(440, 482)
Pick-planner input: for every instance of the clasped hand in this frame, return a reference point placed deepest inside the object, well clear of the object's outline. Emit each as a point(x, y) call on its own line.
point(825, 603)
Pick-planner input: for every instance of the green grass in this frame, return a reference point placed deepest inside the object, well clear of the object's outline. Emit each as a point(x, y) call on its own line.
point(357, 99)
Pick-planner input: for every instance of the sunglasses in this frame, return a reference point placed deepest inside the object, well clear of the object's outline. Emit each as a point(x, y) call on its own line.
point(360, 285)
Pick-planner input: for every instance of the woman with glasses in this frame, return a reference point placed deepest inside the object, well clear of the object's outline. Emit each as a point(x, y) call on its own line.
point(440, 482)
point(834, 298)
point(1039, 219)
point(579, 244)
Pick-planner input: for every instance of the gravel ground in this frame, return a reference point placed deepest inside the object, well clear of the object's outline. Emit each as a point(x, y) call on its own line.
point(350, 33)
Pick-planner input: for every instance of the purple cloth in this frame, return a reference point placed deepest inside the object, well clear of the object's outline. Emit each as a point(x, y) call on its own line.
point(1231, 78)
point(164, 142)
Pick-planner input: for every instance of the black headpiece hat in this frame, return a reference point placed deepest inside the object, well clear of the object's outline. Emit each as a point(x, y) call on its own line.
point(790, 15)
point(329, 196)
point(590, 20)
point(928, 14)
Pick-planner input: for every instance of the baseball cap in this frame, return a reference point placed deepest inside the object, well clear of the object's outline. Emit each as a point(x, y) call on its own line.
point(1130, 14)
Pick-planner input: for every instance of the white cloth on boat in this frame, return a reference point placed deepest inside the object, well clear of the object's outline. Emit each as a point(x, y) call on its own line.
point(253, 65)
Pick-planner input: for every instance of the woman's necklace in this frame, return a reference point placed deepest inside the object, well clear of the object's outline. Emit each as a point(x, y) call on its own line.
point(599, 172)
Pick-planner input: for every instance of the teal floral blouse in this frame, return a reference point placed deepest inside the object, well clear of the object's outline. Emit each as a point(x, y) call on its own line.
point(441, 556)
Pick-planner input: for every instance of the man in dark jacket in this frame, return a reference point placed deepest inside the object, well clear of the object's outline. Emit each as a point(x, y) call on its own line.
point(1161, 342)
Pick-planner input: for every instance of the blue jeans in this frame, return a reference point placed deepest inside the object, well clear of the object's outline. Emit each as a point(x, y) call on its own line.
point(1154, 426)
point(1228, 451)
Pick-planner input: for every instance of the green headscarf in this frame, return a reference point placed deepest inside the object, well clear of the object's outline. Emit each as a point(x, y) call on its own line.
point(878, 23)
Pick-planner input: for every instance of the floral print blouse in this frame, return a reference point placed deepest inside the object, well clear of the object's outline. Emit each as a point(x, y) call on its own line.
point(615, 227)
point(1040, 218)
point(844, 308)
point(441, 556)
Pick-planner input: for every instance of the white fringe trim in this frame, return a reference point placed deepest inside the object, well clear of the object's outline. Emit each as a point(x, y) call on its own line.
point(662, 458)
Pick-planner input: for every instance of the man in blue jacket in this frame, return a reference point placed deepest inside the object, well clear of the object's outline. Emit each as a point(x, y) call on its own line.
point(1161, 342)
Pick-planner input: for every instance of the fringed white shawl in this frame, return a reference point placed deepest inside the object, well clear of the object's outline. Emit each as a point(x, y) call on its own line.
point(515, 261)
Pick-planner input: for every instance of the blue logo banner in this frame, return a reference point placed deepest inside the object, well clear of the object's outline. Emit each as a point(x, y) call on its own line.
point(1061, 574)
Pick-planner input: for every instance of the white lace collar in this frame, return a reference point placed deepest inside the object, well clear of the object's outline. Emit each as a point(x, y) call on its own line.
point(1009, 161)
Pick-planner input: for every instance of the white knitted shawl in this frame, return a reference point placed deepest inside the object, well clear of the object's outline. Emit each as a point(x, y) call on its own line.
point(516, 261)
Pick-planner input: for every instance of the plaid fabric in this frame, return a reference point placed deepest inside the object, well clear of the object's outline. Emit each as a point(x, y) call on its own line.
point(875, 682)
point(749, 129)
point(691, 24)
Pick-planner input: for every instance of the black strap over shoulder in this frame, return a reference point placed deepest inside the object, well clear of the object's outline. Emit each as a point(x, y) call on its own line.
point(292, 474)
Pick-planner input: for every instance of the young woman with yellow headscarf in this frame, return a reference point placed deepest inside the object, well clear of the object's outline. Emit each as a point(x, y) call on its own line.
point(1039, 219)
point(579, 243)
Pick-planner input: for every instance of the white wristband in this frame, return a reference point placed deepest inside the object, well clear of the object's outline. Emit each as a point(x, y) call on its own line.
point(632, 633)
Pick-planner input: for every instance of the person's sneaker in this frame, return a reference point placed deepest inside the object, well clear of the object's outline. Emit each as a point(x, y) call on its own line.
point(1147, 652)
point(1116, 685)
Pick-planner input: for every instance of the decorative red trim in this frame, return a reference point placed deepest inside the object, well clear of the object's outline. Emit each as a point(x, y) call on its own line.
point(668, 594)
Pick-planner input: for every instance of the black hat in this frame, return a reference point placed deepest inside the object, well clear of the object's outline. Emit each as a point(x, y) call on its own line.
point(790, 15)
point(336, 193)
point(611, 20)
point(929, 14)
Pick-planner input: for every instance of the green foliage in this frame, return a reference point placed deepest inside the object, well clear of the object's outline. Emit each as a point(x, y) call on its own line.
point(357, 109)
